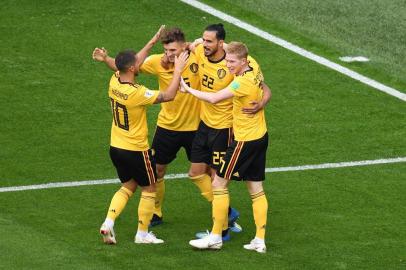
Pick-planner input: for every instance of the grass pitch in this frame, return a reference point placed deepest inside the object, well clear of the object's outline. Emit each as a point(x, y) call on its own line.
point(55, 127)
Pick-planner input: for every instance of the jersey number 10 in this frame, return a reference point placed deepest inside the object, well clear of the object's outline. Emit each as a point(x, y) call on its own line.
point(119, 109)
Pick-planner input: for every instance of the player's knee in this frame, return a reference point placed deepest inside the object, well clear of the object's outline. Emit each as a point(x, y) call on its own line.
point(130, 185)
point(197, 169)
point(160, 171)
point(254, 187)
point(219, 182)
point(150, 188)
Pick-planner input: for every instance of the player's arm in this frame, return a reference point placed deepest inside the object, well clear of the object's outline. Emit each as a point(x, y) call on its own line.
point(191, 46)
point(170, 93)
point(209, 97)
point(143, 53)
point(259, 105)
point(101, 55)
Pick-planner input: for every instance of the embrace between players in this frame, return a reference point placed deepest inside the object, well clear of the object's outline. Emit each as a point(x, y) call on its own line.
point(213, 97)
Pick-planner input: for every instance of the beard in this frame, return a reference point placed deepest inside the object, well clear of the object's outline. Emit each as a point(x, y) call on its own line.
point(209, 52)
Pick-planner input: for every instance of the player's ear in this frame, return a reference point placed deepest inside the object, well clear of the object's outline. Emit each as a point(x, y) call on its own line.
point(133, 68)
point(221, 43)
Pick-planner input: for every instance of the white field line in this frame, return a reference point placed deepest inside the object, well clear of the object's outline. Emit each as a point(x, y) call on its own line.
point(183, 175)
point(296, 49)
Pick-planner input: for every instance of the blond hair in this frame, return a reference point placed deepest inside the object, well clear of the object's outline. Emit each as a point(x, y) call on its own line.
point(237, 48)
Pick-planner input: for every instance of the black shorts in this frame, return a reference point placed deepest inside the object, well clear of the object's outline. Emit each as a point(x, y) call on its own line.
point(245, 160)
point(210, 145)
point(166, 144)
point(137, 165)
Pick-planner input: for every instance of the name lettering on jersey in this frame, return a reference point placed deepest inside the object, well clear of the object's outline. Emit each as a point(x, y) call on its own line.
point(119, 94)
point(194, 67)
point(221, 73)
point(258, 78)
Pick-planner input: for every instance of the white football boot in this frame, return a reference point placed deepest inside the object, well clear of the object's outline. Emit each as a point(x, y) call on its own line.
point(257, 245)
point(149, 238)
point(109, 237)
point(207, 242)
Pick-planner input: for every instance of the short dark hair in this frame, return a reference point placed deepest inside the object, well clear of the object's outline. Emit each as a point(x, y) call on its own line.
point(125, 59)
point(172, 35)
point(219, 29)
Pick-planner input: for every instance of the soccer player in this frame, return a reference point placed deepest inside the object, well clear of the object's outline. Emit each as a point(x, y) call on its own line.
point(129, 149)
point(177, 120)
point(215, 132)
point(246, 155)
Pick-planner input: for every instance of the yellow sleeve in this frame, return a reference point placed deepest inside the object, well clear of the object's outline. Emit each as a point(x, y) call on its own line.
point(199, 52)
point(143, 96)
point(239, 87)
point(150, 65)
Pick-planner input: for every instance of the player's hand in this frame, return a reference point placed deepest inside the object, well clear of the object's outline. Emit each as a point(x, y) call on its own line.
point(165, 62)
point(99, 54)
point(256, 107)
point(157, 35)
point(192, 46)
point(180, 61)
point(183, 86)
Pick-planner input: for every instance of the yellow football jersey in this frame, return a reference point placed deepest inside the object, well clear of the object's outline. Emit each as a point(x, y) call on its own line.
point(128, 104)
point(246, 88)
point(181, 114)
point(214, 77)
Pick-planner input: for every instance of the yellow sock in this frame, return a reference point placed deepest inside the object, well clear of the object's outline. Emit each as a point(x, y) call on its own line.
point(203, 182)
point(160, 194)
point(118, 202)
point(260, 210)
point(145, 210)
point(221, 202)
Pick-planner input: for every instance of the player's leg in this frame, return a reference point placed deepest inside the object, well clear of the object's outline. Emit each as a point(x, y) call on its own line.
point(219, 142)
point(165, 146)
point(122, 160)
point(146, 178)
point(255, 175)
point(260, 211)
point(157, 217)
point(220, 205)
point(200, 158)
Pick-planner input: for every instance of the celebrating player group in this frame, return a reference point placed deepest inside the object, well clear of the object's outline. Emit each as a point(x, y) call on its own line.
point(213, 96)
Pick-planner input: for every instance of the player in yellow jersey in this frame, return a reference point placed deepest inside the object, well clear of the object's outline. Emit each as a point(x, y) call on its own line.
point(129, 149)
point(215, 132)
point(177, 120)
point(245, 157)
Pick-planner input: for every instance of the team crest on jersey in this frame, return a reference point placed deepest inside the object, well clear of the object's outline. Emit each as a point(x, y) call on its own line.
point(194, 67)
point(221, 73)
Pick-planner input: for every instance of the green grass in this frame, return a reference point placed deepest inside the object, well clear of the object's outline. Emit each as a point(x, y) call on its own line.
point(374, 29)
point(350, 218)
point(56, 125)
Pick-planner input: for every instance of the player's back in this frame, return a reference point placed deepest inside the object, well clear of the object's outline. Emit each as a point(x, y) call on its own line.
point(128, 103)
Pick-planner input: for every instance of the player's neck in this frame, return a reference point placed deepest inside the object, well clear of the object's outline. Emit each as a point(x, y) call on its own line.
point(127, 77)
point(219, 55)
point(243, 69)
